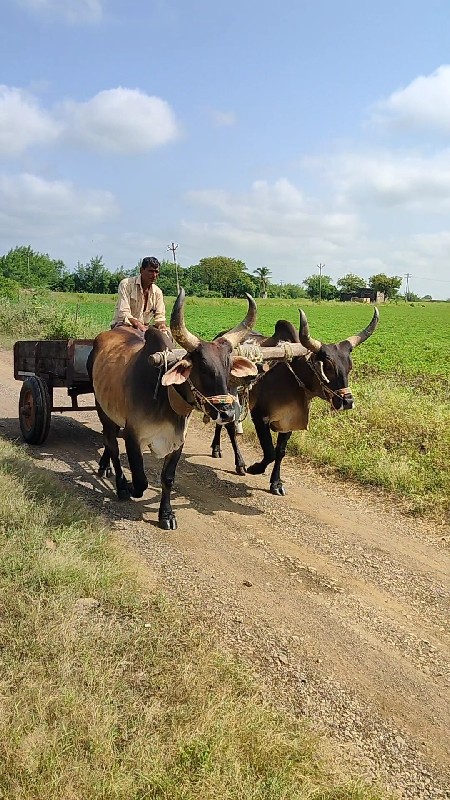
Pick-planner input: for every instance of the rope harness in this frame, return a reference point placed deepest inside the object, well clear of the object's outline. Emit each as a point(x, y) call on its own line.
point(201, 401)
point(254, 353)
point(329, 393)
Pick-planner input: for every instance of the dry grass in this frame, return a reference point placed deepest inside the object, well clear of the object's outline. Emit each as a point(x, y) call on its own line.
point(107, 691)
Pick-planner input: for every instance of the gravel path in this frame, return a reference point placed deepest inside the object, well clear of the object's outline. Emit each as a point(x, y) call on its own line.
point(339, 604)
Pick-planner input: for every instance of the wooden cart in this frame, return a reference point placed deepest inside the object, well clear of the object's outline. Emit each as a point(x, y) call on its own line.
point(44, 366)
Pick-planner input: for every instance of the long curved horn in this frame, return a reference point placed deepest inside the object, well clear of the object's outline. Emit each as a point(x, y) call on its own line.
point(237, 335)
point(179, 331)
point(311, 344)
point(361, 337)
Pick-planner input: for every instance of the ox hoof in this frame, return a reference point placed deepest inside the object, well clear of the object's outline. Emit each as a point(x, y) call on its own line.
point(240, 470)
point(256, 469)
point(168, 523)
point(138, 492)
point(104, 472)
point(124, 494)
point(278, 489)
point(217, 452)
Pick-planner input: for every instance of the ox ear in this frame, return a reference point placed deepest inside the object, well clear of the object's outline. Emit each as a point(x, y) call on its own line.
point(242, 367)
point(179, 373)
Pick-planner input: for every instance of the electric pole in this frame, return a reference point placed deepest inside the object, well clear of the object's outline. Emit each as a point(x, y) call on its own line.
point(407, 276)
point(320, 268)
point(173, 247)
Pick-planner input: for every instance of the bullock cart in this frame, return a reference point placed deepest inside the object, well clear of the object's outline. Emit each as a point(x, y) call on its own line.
point(43, 366)
point(48, 364)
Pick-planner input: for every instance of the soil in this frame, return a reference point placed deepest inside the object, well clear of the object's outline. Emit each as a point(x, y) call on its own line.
point(336, 601)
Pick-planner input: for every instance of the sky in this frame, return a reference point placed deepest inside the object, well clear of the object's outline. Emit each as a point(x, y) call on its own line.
point(286, 134)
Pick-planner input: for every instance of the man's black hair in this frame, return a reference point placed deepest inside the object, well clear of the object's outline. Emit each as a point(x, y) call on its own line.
point(150, 261)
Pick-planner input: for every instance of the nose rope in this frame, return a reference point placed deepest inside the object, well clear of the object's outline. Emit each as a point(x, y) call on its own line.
point(330, 393)
point(201, 401)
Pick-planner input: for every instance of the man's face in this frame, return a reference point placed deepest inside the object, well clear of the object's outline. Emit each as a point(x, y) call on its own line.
point(149, 275)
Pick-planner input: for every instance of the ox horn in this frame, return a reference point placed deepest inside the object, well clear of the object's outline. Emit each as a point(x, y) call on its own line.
point(311, 344)
point(237, 335)
point(361, 337)
point(179, 331)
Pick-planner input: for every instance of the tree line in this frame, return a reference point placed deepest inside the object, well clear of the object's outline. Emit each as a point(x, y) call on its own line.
point(216, 276)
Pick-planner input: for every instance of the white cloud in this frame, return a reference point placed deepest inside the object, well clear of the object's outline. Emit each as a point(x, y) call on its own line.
point(120, 120)
point(423, 104)
point(275, 220)
point(30, 204)
point(73, 11)
point(388, 179)
point(22, 122)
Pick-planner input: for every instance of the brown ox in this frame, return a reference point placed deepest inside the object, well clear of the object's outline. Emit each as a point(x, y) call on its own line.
point(152, 406)
point(280, 400)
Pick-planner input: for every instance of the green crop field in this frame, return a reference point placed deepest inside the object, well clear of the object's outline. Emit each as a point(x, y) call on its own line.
point(411, 340)
point(398, 436)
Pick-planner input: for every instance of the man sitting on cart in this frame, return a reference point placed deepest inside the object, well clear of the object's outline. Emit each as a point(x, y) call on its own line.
point(141, 302)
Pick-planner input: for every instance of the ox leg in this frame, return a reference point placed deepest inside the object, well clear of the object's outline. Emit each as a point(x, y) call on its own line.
point(166, 517)
point(136, 462)
point(238, 460)
point(217, 451)
point(265, 440)
point(111, 451)
point(215, 444)
point(276, 484)
point(104, 468)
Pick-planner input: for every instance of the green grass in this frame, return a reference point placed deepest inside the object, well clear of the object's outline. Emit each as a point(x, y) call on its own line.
point(396, 438)
point(411, 340)
point(107, 691)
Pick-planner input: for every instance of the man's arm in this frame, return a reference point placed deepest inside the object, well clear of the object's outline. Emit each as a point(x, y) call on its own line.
point(123, 308)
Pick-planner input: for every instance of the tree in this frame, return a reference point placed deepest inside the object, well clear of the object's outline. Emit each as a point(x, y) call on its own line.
point(411, 297)
point(317, 286)
point(92, 278)
point(388, 285)
point(351, 283)
point(167, 279)
point(118, 275)
point(31, 269)
point(263, 275)
point(287, 290)
point(219, 276)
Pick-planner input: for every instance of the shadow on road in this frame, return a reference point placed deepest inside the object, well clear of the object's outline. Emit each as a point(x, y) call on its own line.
point(71, 453)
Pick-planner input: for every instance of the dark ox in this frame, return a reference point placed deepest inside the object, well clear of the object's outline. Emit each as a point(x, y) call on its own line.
point(152, 406)
point(280, 399)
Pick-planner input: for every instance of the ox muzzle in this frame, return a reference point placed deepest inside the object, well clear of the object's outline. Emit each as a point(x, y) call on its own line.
point(226, 412)
point(342, 400)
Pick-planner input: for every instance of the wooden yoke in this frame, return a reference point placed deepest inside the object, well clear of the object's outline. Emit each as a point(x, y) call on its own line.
point(285, 351)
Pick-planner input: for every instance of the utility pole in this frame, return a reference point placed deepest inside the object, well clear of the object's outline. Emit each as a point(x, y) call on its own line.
point(407, 276)
point(320, 268)
point(173, 247)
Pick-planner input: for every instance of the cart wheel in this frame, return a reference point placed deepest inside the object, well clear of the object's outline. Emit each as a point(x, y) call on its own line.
point(34, 410)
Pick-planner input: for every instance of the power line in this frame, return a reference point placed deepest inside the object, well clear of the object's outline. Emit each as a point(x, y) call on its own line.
point(436, 280)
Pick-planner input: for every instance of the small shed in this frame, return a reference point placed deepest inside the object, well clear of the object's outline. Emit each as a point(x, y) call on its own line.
point(362, 296)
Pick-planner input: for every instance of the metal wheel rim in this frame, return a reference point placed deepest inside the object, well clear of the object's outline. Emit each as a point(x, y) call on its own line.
point(28, 410)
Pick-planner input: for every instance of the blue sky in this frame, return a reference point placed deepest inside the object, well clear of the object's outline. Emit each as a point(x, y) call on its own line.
point(285, 134)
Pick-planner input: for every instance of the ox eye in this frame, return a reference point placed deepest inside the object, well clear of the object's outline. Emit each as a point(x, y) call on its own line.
point(328, 367)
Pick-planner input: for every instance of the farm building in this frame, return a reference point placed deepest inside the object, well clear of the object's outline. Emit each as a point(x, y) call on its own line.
point(362, 296)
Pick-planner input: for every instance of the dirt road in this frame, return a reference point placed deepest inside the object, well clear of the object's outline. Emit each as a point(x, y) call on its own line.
point(337, 602)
